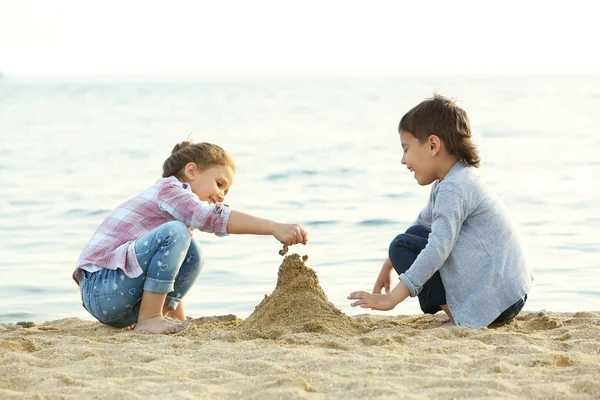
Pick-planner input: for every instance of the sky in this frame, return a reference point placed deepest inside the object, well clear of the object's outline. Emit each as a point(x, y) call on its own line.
point(303, 38)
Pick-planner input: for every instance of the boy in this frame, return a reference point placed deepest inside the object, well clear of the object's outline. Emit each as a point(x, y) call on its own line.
point(462, 254)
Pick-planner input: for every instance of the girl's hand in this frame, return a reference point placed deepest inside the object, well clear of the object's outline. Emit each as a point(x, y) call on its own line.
point(289, 234)
point(382, 302)
point(384, 279)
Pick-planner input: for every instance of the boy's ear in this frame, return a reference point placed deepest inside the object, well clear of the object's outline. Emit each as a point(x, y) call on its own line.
point(434, 144)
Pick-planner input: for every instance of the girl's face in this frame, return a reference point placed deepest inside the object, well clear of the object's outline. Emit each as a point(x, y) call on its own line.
point(419, 158)
point(211, 184)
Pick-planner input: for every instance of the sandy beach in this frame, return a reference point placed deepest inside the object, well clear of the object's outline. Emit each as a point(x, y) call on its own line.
point(298, 345)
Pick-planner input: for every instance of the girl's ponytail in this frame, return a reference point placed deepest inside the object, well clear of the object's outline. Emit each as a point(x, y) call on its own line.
point(204, 155)
point(181, 145)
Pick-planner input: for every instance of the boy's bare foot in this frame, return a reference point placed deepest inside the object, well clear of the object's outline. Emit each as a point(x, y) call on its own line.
point(158, 325)
point(449, 324)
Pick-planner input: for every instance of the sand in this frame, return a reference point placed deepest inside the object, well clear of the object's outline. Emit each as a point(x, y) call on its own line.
point(296, 344)
point(298, 304)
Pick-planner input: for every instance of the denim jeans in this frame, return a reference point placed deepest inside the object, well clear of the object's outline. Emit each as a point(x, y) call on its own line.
point(171, 260)
point(403, 251)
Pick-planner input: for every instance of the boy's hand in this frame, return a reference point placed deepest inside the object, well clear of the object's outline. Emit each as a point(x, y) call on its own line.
point(384, 279)
point(381, 302)
point(289, 234)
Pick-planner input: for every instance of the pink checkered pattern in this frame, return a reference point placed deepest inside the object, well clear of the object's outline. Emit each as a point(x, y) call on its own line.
point(111, 246)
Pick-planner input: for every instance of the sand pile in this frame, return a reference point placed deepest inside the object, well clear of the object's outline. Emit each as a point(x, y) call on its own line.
point(298, 304)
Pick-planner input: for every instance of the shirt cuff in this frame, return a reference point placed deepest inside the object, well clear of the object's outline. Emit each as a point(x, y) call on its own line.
point(224, 211)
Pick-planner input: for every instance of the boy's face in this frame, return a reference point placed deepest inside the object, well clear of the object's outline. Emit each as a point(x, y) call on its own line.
point(418, 158)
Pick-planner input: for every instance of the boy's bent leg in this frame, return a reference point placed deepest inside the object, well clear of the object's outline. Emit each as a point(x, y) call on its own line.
point(450, 323)
point(512, 311)
point(403, 251)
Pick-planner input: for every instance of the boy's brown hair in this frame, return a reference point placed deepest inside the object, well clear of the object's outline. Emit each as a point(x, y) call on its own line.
point(205, 155)
point(442, 117)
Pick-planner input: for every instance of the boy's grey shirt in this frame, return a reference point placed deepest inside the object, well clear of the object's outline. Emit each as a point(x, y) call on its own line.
point(474, 245)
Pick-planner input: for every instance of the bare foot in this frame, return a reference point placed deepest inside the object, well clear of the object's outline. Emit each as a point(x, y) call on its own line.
point(158, 325)
point(449, 324)
point(175, 314)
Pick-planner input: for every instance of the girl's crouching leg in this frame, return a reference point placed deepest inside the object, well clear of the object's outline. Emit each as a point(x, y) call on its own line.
point(188, 273)
point(177, 313)
point(151, 319)
point(106, 299)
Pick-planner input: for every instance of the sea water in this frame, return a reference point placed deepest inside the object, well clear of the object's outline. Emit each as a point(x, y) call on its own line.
point(324, 153)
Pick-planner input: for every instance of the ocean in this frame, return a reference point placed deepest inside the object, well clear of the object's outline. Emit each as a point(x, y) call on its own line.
point(324, 153)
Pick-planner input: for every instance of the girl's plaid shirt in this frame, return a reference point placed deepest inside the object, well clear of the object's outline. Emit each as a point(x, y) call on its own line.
point(112, 245)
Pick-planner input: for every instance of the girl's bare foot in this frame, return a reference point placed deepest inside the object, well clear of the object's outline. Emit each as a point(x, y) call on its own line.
point(158, 325)
point(178, 313)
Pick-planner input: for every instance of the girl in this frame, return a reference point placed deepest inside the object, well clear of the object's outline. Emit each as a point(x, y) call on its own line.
point(462, 255)
point(142, 259)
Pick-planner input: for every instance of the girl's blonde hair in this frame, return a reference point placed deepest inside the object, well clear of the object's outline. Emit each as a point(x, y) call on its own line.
point(204, 155)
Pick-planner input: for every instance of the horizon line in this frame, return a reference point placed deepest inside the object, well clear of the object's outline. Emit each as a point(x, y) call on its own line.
point(280, 75)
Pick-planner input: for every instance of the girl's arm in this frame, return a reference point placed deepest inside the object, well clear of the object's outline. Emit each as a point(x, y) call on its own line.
point(185, 206)
point(242, 223)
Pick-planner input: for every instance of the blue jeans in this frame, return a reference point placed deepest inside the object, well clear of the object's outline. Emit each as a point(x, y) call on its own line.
point(403, 251)
point(171, 260)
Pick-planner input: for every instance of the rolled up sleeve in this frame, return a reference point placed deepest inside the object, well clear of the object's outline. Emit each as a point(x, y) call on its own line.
point(177, 199)
point(448, 214)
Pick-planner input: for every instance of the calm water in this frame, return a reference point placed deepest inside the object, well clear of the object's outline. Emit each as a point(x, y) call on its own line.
point(322, 153)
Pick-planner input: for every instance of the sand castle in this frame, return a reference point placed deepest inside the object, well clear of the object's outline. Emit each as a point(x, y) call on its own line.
point(298, 304)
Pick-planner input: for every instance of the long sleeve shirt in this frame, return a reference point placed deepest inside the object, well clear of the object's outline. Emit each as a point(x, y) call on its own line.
point(112, 244)
point(475, 247)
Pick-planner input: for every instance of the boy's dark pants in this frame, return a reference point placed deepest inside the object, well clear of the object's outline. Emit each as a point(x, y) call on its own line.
point(405, 248)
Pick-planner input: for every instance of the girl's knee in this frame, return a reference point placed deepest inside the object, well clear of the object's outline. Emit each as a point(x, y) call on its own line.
point(175, 231)
point(195, 255)
point(176, 228)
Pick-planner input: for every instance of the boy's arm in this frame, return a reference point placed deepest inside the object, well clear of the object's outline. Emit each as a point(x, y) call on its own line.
point(425, 217)
point(449, 213)
point(382, 302)
point(384, 279)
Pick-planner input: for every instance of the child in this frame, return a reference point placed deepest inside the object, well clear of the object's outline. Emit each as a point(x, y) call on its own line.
point(142, 259)
point(462, 254)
